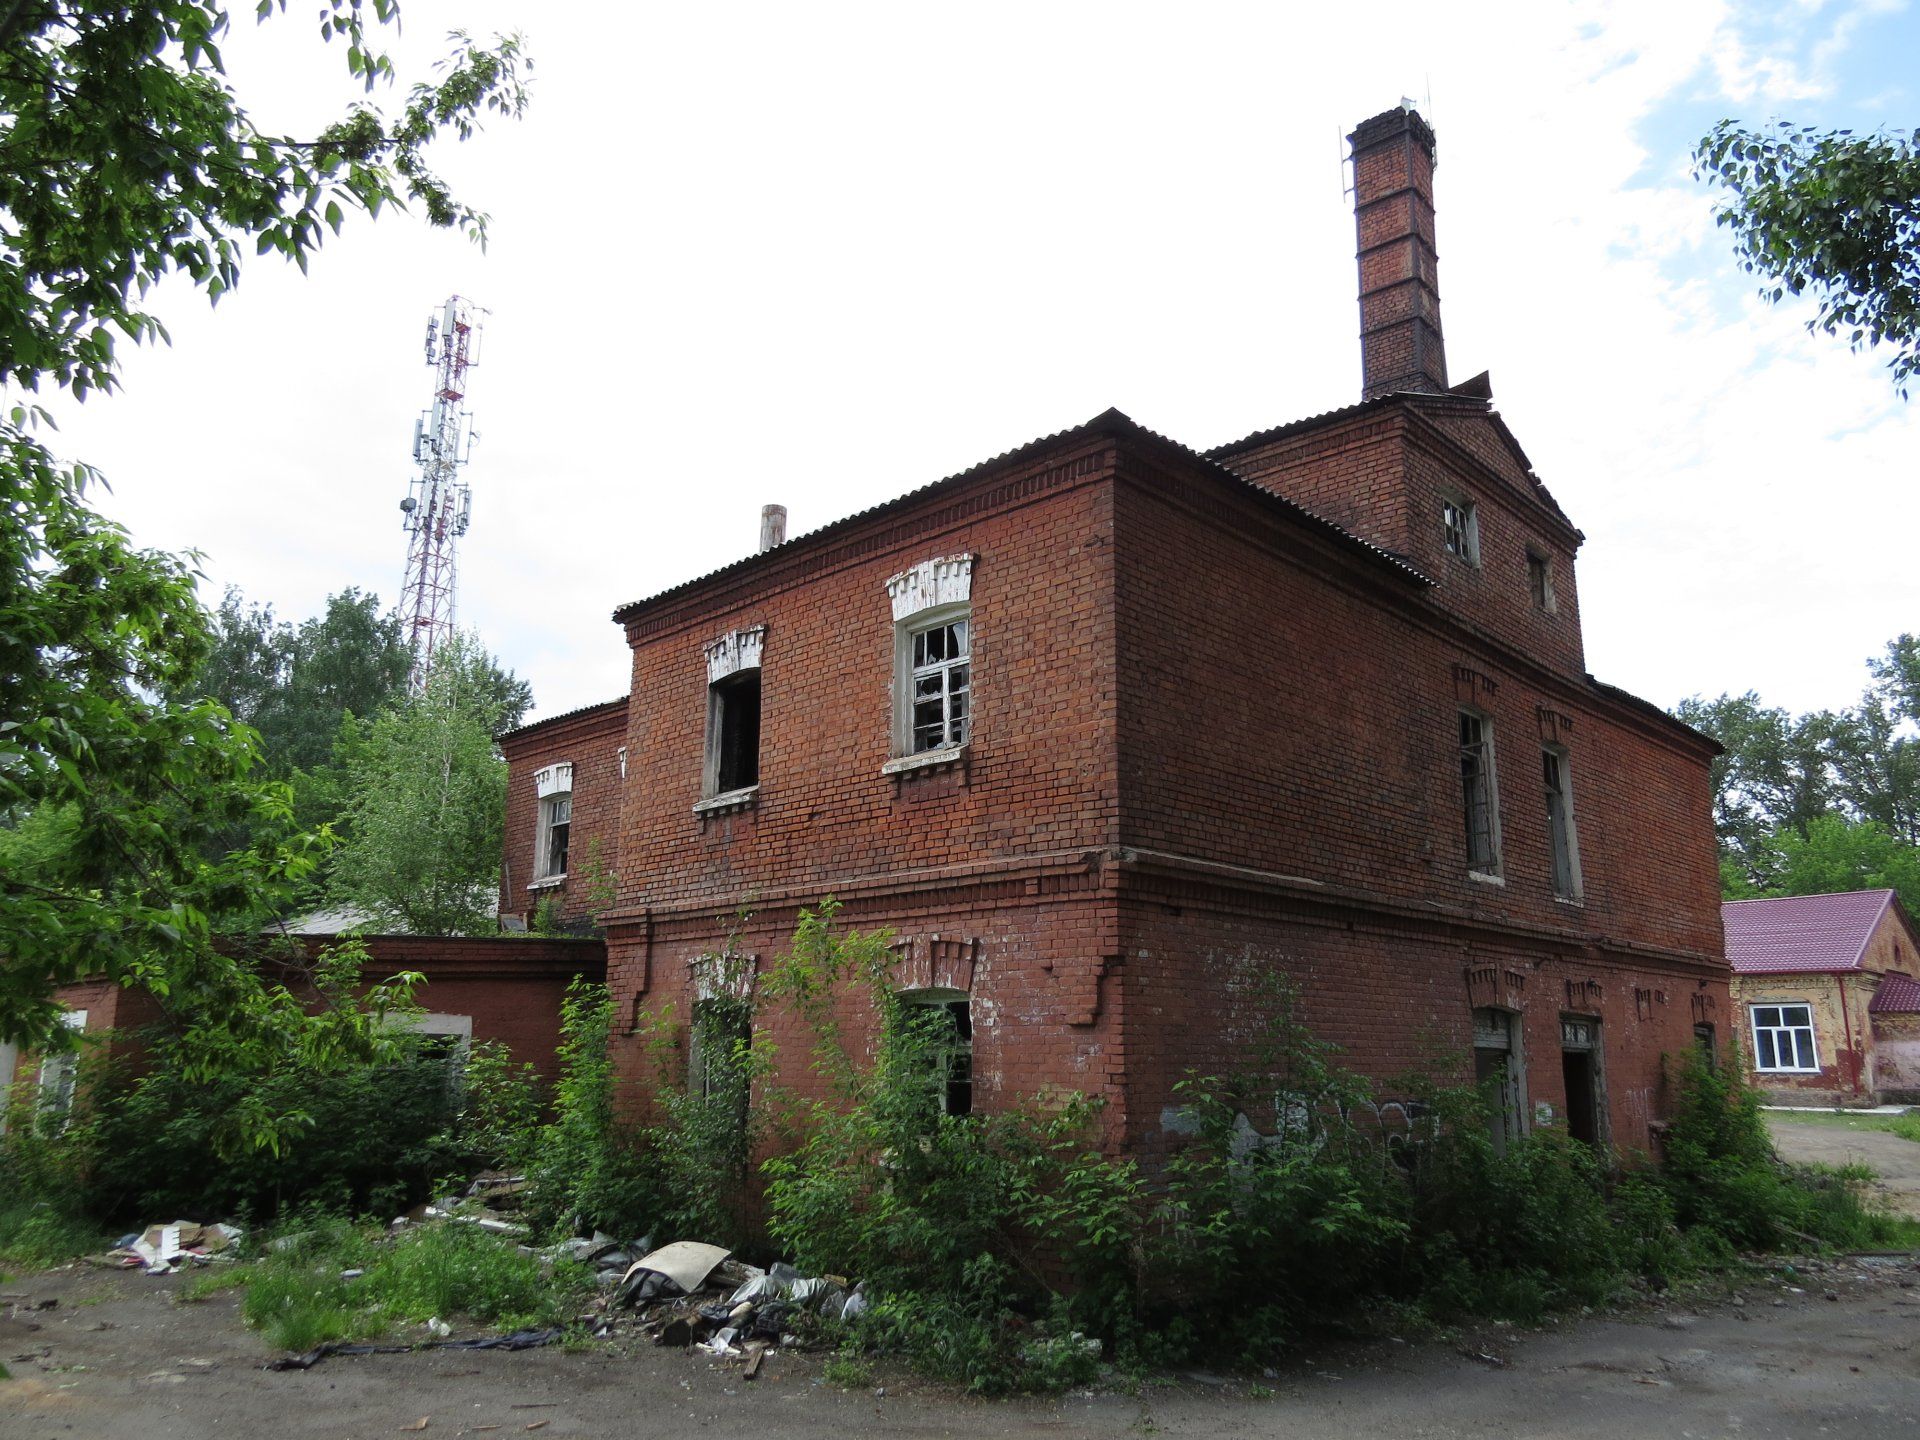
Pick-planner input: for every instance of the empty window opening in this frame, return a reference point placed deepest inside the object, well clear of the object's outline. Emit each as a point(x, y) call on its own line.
point(943, 1023)
point(1783, 1038)
point(1704, 1041)
point(940, 685)
point(1580, 1071)
point(1499, 1074)
point(1562, 841)
point(1540, 581)
point(1478, 794)
point(733, 732)
point(717, 1053)
point(1460, 523)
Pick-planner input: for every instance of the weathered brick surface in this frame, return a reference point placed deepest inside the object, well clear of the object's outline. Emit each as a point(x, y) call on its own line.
point(1207, 731)
point(590, 740)
point(511, 988)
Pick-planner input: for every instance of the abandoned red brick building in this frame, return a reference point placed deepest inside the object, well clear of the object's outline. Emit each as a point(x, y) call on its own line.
point(1100, 727)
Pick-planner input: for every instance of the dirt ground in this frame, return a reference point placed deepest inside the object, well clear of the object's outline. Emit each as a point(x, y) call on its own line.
point(1826, 1349)
point(1897, 1160)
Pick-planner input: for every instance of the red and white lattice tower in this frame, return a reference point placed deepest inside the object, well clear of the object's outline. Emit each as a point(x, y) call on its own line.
point(438, 502)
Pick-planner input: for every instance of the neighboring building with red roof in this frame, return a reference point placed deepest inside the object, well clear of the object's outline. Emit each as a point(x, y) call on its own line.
point(1826, 985)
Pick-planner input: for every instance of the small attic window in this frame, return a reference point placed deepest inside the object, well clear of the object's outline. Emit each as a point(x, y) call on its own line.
point(1460, 525)
point(1540, 581)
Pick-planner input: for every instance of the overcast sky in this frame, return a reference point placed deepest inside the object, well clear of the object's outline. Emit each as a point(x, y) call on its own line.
point(821, 254)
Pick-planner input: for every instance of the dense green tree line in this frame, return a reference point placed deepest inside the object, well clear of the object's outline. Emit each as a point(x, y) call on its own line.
point(1825, 801)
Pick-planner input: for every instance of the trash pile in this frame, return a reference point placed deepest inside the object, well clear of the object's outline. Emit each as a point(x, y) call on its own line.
point(697, 1296)
point(163, 1249)
point(491, 1192)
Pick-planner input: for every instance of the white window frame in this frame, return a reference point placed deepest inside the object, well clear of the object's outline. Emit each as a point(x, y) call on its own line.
point(59, 1073)
point(1779, 1028)
point(1460, 528)
point(1563, 834)
point(553, 784)
point(729, 657)
point(1489, 870)
point(934, 594)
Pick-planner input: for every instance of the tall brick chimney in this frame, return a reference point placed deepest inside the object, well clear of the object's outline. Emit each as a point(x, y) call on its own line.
point(1400, 345)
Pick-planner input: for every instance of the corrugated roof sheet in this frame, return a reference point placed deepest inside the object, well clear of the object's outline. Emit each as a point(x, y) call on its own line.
point(545, 721)
point(1798, 933)
point(1109, 422)
point(1897, 995)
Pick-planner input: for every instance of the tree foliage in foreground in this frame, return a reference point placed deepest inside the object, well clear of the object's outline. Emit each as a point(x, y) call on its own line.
point(1833, 215)
point(125, 156)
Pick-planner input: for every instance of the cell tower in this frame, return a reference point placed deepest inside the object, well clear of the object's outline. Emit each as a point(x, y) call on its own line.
point(439, 503)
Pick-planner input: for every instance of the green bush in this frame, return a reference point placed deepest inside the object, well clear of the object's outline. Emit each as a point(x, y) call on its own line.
point(588, 1165)
point(1720, 1168)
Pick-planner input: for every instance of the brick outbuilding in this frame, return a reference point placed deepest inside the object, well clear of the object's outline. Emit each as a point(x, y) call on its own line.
point(1103, 727)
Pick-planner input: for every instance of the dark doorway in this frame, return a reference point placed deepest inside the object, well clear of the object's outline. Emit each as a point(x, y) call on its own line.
point(1583, 1119)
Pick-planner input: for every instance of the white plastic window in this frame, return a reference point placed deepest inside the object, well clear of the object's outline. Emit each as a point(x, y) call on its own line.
point(1783, 1039)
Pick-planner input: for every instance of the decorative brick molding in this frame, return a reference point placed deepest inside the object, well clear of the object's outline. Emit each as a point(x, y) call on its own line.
point(726, 973)
point(1470, 687)
point(1645, 999)
point(1555, 728)
point(733, 652)
point(945, 580)
point(1496, 987)
point(1705, 1007)
point(935, 962)
point(1583, 995)
point(555, 779)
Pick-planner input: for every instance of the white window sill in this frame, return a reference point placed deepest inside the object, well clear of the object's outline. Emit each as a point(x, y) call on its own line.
point(1577, 902)
point(1482, 878)
point(1762, 1070)
point(547, 882)
point(925, 760)
point(723, 804)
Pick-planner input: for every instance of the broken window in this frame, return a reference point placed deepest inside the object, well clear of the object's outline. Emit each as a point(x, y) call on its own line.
point(1561, 839)
point(553, 784)
point(940, 1024)
point(556, 825)
point(1704, 1041)
point(733, 732)
point(1478, 794)
point(59, 1073)
point(1499, 1072)
point(1783, 1038)
point(1540, 580)
point(1460, 524)
point(1580, 1071)
point(939, 684)
point(733, 714)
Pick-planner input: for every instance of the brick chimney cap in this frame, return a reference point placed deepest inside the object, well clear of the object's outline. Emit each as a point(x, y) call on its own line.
point(1390, 124)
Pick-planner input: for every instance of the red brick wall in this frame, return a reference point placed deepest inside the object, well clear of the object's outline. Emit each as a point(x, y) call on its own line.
point(1038, 775)
point(511, 988)
point(1384, 473)
point(591, 741)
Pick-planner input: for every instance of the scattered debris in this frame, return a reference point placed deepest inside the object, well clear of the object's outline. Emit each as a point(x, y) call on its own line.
point(419, 1424)
point(162, 1249)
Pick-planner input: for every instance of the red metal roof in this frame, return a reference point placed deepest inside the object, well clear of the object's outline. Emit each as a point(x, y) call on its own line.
point(1897, 995)
point(1802, 932)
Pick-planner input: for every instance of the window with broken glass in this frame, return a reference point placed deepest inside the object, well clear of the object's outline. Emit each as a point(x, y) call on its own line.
point(939, 683)
point(1560, 833)
point(1783, 1038)
point(556, 824)
point(1461, 527)
point(1478, 794)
